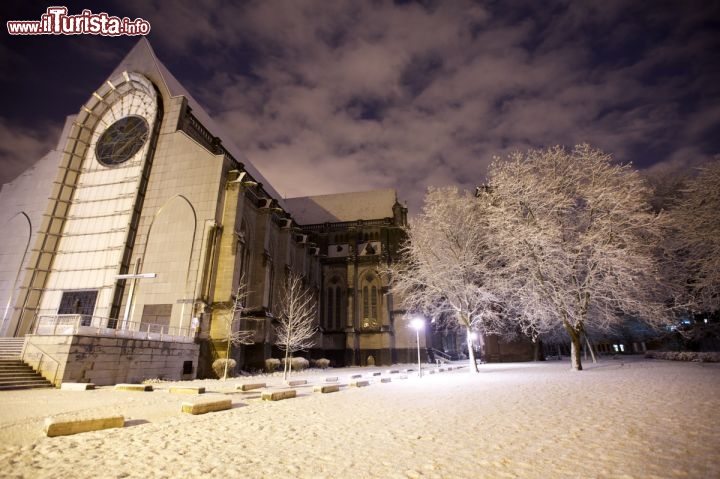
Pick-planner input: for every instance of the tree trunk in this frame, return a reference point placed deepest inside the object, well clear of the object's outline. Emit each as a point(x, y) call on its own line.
point(287, 364)
point(575, 350)
point(227, 359)
point(575, 333)
point(471, 353)
point(538, 350)
point(591, 348)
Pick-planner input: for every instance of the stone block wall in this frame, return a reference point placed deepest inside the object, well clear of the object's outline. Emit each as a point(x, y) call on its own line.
point(106, 361)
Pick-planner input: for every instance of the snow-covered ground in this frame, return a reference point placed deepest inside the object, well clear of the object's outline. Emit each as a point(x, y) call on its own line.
point(625, 418)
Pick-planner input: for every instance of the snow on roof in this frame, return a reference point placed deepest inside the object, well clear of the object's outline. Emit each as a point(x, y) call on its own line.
point(142, 59)
point(361, 205)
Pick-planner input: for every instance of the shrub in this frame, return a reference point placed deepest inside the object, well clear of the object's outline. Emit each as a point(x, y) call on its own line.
point(218, 367)
point(711, 357)
point(322, 363)
point(271, 364)
point(297, 364)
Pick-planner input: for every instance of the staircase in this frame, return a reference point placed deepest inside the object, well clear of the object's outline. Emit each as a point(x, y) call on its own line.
point(15, 374)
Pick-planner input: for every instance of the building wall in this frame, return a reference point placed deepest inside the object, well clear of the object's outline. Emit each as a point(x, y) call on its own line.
point(178, 213)
point(175, 228)
point(24, 202)
point(106, 361)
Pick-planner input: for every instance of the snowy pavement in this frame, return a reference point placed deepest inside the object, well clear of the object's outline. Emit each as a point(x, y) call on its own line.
point(626, 418)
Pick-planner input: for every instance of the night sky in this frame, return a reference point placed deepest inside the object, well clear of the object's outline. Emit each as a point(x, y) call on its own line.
point(334, 96)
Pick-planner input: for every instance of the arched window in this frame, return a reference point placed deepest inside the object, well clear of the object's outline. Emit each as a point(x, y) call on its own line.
point(334, 305)
point(370, 300)
point(330, 313)
point(242, 253)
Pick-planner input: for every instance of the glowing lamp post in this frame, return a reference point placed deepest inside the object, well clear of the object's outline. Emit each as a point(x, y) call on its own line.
point(472, 336)
point(418, 324)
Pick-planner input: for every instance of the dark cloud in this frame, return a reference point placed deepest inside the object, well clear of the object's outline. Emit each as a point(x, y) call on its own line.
point(337, 96)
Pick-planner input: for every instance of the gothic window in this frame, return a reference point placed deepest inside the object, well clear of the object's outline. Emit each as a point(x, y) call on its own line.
point(337, 319)
point(334, 305)
point(370, 316)
point(366, 303)
point(330, 316)
point(242, 252)
point(269, 278)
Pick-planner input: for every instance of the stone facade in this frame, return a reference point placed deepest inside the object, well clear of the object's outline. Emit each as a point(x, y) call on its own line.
point(107, 360)
point(357, 235)
point(147, 217)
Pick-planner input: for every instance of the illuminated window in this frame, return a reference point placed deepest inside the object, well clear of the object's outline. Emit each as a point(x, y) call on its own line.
point(370, 317)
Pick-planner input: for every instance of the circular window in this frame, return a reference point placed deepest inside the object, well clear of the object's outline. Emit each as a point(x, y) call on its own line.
point(121, 140)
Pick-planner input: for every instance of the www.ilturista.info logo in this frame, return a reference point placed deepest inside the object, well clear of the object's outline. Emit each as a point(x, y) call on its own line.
point(57, 22)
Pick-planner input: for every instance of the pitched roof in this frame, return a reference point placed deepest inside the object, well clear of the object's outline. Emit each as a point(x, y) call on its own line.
point(362, 205)
point(142, 59)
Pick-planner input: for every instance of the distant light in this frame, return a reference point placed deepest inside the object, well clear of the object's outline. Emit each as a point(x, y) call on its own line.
point(473, 335)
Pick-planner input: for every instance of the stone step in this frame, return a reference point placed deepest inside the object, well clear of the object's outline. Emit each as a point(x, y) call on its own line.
point(16, 369)
point(24, 377)
point(17, 375)
point(25, 385)
point(11, 348)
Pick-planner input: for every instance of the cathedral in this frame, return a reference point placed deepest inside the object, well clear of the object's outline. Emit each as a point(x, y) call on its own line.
point(124, 247)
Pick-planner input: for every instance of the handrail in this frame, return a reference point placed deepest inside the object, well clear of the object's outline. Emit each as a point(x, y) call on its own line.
point(443, 355)
point(70, 324)
point(43, 354)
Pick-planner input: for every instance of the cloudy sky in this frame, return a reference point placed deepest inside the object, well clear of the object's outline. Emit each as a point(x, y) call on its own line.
point(333, 96)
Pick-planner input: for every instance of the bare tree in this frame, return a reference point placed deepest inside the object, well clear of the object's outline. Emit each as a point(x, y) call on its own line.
point(296, 326)
point(443, 274)
point(575, 241)
point(234, 336)
point(695, 239)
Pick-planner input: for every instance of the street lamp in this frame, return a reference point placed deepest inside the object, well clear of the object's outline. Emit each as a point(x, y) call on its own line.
point(472, 336)
point(418, 324)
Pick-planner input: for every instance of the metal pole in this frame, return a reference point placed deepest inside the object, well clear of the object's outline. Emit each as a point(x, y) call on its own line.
point(417, 333)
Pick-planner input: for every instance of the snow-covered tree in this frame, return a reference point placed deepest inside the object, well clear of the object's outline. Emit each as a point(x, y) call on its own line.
point(443, 273)
point(575, 242)
point(695, 238)
point(233, 335)
point(297, 319)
